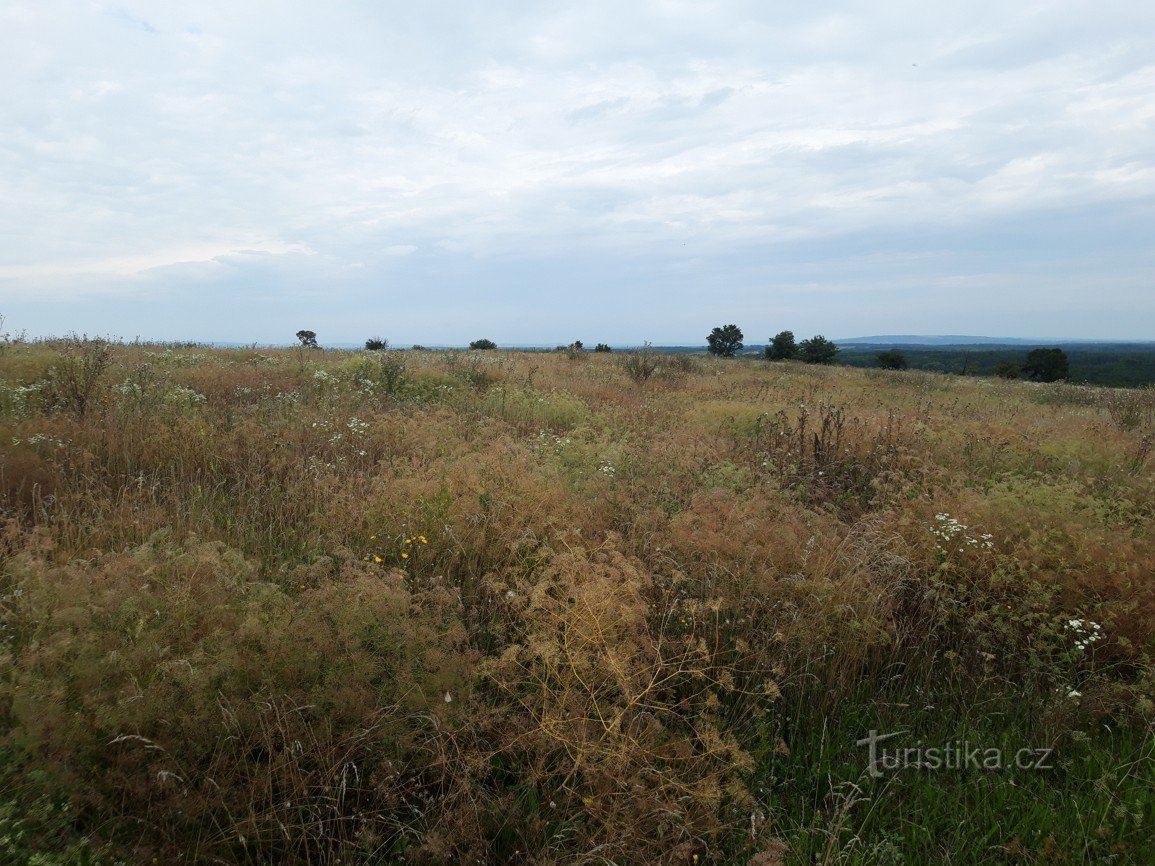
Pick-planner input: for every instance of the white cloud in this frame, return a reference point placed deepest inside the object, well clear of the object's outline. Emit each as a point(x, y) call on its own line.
point(144, 134)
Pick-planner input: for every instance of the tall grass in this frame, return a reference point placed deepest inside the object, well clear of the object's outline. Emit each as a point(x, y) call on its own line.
point(289, 606)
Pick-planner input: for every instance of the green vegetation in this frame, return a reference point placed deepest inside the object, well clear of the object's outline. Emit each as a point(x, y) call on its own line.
point(782, 347)
point(725, 341)
point(817, 350)
point(892, 360)
point(284, 606)
point(483, 344)
point(1113, 364)
point(1047, 365)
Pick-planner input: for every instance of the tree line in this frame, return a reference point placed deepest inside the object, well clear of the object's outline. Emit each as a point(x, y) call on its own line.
point(725, 341)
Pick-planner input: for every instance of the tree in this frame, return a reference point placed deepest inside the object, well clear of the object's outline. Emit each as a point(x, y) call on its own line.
point(376, 344)
point(892, 360)
point(1046, 365)
point(817, 350)
point(602, 347)
point(483, 344)
point(1008, 370)
point(308, 339)
point(782, 347)
point(725, 341)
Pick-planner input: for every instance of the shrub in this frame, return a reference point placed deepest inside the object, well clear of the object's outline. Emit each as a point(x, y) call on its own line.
point(837, 459)
point(641, 363)
point(1007, 370)
point(1046, 365)
point(73, 378)
point(483, 344)
point(376, 344)
point(892, 360)
point(602, 347)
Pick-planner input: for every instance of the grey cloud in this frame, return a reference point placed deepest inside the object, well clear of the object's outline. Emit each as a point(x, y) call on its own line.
point(519, 140)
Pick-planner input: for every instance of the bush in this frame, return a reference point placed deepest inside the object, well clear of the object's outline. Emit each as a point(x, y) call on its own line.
point(641, 364)
point(1047, 365)
point(1007, 370)
point(892, 360)
point(483, 344)
point(376, 344)
point(73, 378)
point(602, 347)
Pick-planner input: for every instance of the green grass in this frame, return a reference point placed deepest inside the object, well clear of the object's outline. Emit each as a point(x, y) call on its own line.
point(1092, 803)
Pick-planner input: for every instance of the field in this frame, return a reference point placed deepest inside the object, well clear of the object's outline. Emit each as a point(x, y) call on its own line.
point(301, 606)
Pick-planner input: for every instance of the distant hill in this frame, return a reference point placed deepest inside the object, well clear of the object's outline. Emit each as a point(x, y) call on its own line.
point(943, 340)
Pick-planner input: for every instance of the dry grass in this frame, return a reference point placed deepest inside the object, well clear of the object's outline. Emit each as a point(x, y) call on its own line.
point(292, 606)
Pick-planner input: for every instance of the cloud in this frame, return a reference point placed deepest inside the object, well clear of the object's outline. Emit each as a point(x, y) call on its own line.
point(653, 143)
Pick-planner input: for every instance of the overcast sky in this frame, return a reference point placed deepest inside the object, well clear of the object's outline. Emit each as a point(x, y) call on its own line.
point(538, 172)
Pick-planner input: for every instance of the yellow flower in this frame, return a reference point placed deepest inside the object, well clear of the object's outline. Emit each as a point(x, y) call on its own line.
point(421, 538)
point(377, 559)
point(405, 556)
point(372, 537)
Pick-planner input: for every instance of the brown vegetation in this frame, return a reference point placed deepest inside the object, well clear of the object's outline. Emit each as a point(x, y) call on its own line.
point(289, 606)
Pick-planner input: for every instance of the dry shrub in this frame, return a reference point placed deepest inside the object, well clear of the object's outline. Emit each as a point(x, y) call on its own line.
point(1130, 409)
point(617, 719)
point(74, 378)
point(829, 456)
point(182, 703)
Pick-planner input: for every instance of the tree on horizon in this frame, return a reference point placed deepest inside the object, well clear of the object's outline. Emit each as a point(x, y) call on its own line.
point(725, 340)
point(817, 350)
point(782, 347)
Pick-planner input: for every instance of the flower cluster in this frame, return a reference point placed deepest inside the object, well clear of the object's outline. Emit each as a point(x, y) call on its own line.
point(407, 544)
point(951, 534)
point(355, 427)
point(546, 438)
point(1086, 632)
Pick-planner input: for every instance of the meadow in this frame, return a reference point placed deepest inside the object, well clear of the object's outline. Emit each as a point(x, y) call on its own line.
point(269, 606)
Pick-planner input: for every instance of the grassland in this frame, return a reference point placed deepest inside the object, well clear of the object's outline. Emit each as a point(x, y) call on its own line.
point(293, 606)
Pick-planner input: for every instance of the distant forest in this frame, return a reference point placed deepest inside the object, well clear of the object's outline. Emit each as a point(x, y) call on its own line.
point(1115, 364)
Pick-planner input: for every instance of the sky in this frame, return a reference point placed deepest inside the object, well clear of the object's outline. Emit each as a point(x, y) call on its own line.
point(540, 172)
